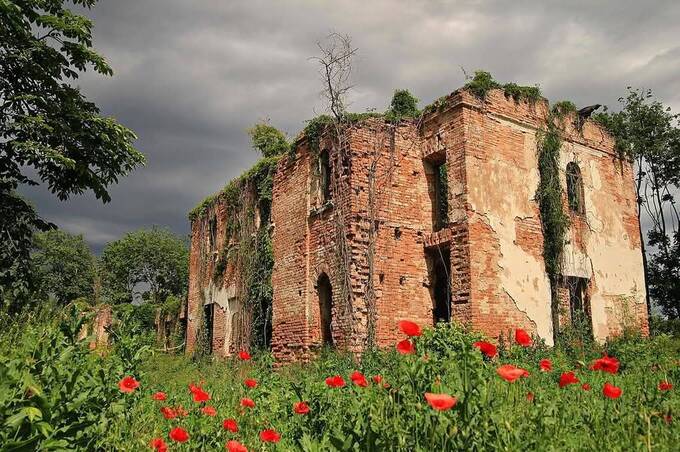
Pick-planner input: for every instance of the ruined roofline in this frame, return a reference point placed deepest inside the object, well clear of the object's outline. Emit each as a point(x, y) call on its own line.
point(250, 176)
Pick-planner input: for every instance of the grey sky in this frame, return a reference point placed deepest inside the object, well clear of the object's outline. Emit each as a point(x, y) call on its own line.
point(192, 76)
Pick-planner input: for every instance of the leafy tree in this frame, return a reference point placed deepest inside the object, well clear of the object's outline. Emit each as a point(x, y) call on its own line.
point(63, 266)
point(49, 132)
point(269, 140)
point(647, 133)
point(152, 258)
point(403, 105)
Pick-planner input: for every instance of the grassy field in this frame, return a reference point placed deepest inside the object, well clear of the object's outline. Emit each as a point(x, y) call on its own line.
point(213, 404)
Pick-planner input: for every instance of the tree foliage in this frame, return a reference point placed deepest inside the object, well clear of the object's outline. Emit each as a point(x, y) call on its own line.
point(153, 259)
point(269, 140)
point(63, 266)
point(49, 132)
point(403, 105)
point(647, 133)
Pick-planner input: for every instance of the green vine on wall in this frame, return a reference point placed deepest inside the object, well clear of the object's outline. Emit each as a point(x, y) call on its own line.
point(554, 220)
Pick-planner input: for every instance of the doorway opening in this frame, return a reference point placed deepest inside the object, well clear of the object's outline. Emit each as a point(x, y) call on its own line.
point(208, 318)
point(325, 291)
point(439, 263)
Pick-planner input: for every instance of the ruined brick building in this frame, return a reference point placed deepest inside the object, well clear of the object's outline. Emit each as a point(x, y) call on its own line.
point(429, 219)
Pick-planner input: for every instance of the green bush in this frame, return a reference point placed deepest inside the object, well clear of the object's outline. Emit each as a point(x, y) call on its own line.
point(56, 394)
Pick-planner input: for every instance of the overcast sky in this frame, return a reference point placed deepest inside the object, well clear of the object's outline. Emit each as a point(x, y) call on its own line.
point(191, 77)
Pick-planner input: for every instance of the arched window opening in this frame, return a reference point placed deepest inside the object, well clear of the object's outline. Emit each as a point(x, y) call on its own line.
point(325, 176)
point(575, 188)
point(325, 291)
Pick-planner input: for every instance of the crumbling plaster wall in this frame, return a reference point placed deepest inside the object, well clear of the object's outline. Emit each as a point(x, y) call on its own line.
point(604, 243)
point(510, 287)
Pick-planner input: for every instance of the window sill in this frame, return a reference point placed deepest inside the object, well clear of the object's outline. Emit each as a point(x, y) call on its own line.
point(328, 205)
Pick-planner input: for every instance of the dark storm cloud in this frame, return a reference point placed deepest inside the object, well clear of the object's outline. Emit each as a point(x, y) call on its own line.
point(192, 76)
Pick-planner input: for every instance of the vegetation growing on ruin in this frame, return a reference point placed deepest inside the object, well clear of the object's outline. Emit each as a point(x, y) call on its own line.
point(554, 219)
point(245, 245)
point(483, 82)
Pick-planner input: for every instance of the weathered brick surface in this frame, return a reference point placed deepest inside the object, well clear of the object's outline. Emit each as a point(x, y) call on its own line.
point(493, 236)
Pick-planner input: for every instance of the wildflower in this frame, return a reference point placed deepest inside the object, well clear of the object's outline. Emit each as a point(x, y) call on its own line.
point(128, 384)
point(159, 445)
point(244, 355)
point(168, 413)
point(510, 373)
point(611, 391)
point(181, 411)
point(159, 396)
point(249, 382)
point(359, 379)
point(209, 410)
point(335, 381)
point(606, 364)
point(567, 378)
point(235, 446)
point(530, 396)
point(668, 418)
point(522, 337)
point(487, 348)
point(545, 365)
point(440, 402)
point(301, 408)
point(409, 328)
point(585, 386)
point(247, 403)
point(665, 386)
point(377, 379)
point(179, 435)
point(231, 425)
point(270, 436)
point(198, 393)
point(405, 347)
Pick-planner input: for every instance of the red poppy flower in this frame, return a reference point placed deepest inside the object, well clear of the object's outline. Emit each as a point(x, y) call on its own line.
point(209, 411)
point(244, 355)
point(405, 347)
point(179, 434)
point(586, 387)
point(335, 381)
point(159, 445)
point(199, 394)
point(181, 411)
point(510, 373)
point(668, 418)
point(440, 402)
point(487, 348)
point(359, 379)
point(231, 425)
point(128, 385)
point(545, 365)
point(409, 328)
point(611, 391)
point(270, 436)
point(665, 386)
point(235, 446)
point(159, 396)
point(568, 378)
point(606, 364)
point(377, 379)
point(522, 337)
point(168, 413)
point(249, 382)
point(247, 403)
point(530, 396)
point(301, 408)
